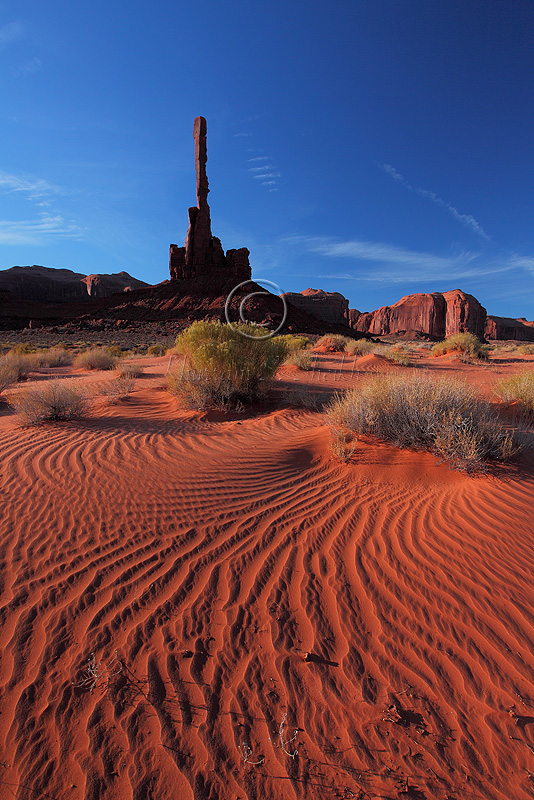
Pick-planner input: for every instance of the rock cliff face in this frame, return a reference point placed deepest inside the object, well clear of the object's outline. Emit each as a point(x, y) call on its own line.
point(47, 285)
point(508, 328)
point(435, 315)
point(329, 306)
point(203, 254)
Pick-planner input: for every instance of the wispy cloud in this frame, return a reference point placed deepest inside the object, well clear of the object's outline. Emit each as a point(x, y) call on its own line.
point(49, 221)
point(242, 133)
point(259, 158)
point(467, 220)
point(39, 231)
point(522, 262)
point(11, 32)
point(396, 264)
point(267, 175)
point(261, 169)
point(33, 188)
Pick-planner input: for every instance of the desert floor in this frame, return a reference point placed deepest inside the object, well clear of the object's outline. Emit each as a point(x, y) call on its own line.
point(262, 620)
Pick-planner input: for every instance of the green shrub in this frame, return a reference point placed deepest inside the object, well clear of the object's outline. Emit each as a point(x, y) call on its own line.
point(56, 400)
point(225, 365)
point(518, 389)
point(115, 350)
point(439, 415)
point(293, 342)
point(96, 358)
point(461, 342)
point(332, 342)
point(156, 350)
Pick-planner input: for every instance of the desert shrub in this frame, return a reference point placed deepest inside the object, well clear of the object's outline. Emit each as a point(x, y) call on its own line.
point(156, 350)
point(518, 389)
point(293, 342)
point(24, 348)
point(54, 357)
point(299, 358)
point(96, 358)
point(333, 342)
point(399, 354)
point(23, 363)
point(439, 415)
point(57, 400)
point(360, 347)
point(115, 350)
point(130, 370)
point(119, 388)
point(525, 350)
point(299, 397)
point(8, 373)
point(224, 364)
point(461, 342)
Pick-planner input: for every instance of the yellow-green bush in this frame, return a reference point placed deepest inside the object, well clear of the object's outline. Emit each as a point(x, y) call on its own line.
point(518, 389)
point(461, 342)
point(333, 342)
point(225, 365)
point(293, 342)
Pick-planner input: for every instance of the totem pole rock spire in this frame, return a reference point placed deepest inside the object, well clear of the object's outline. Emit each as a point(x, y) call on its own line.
point(203, 253)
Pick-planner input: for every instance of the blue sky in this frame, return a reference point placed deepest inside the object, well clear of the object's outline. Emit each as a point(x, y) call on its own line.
point(373, 148)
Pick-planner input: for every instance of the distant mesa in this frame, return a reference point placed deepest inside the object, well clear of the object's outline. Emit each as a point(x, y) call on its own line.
point(434, 315)
point(48, 285)
point(331, 307)
point(203, 254)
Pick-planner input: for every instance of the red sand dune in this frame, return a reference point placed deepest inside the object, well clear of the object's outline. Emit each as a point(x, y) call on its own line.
point(241, 590)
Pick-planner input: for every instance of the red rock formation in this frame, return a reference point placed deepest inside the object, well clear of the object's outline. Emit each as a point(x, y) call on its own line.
point(329, 306)
point(434, 315)
point(48, 285)
point(203, 253)
point(464, 314)
point(508, 328)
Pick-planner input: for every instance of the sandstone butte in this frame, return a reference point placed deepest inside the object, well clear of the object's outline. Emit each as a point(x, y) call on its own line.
point(434, 315)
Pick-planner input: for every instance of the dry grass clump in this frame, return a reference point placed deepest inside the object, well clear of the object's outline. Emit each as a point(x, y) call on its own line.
point(299, 358)
point(130, 370)
point(96, 358)
point(439, 415)
point(119, 388)
point(57, 400)
point(466, 343)
point(22, 363)
point(225, 365)
point(333, 342)
point(518, 389)
point(360, 347)
point(399, 354)
point(8, 373)
point(525, 350)
point(54, 357)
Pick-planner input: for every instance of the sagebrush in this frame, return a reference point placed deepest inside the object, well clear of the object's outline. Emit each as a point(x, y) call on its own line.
point(95, 358)
point(441, 415)
point(56, 400)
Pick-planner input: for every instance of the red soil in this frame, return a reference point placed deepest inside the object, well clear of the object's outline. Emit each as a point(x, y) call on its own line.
point(235, 581)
